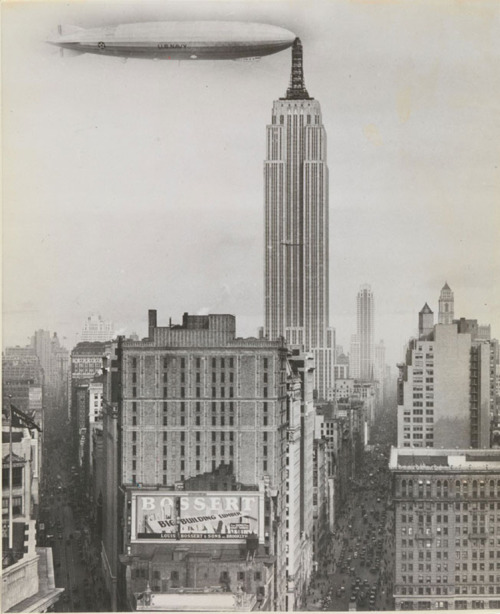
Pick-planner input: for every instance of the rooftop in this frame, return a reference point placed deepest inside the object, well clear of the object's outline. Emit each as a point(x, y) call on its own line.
point(450, 460)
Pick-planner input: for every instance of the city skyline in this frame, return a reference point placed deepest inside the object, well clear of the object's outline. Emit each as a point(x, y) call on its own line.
point(400, 205)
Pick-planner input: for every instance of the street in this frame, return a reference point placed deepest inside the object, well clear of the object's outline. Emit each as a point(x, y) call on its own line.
point(66, 524)
point(358, 568)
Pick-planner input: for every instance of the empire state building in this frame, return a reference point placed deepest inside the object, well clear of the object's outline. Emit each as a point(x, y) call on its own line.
point(296, 226)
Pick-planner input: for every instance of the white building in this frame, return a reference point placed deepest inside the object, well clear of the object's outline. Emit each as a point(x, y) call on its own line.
point(97, 329)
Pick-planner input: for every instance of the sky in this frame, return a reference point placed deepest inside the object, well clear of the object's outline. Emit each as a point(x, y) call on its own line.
point(138, 185)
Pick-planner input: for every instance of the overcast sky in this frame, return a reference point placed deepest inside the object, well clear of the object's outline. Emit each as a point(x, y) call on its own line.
point(139, 184)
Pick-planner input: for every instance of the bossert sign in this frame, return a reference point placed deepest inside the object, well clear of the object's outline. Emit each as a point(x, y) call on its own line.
point(194, 516)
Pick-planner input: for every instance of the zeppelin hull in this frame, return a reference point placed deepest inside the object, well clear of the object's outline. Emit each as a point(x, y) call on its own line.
point(181, 52)
point(179, 40)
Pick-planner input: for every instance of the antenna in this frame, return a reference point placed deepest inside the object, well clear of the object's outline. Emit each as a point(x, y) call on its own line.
point(297, 88)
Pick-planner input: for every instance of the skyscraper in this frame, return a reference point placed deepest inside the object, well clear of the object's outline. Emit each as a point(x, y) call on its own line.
point(446, 393)
point(365, 316)
point(296, 226)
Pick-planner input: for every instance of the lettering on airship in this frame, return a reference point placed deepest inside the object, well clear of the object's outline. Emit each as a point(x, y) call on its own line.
point(171, 46)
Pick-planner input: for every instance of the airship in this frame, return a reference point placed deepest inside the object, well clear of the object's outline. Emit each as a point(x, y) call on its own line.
point(177, 40)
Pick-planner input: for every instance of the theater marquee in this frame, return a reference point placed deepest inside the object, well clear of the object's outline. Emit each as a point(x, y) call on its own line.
point(193, 516)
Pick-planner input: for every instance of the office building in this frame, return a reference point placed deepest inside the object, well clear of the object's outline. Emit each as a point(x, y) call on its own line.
point(379, 371)
point(365, 313)
point(447, 529)
point(195, 417)
point(97, 329)
point(355, 357)
point(446, 391)
point(341, 368)
point(299, 481)
point(296, 227)
point(54, 360)
point(27, 570)
point(85, 364)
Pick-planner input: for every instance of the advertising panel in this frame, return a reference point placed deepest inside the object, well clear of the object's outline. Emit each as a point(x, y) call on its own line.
point(193, 516)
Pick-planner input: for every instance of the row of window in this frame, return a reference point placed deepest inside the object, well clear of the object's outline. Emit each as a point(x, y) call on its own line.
point(439, 543)
point(439, 567)
point(474, 554)
point(476, 566)
point(422, 590)
point(440, 488)
point(217, 391)
point(221, 362)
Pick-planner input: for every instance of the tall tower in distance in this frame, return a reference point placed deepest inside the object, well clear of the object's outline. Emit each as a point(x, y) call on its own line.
point(296, 226)
point(446, 305)
point(366, 333)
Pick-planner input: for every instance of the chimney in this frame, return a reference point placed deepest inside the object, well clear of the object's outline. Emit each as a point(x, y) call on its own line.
point(151, 323)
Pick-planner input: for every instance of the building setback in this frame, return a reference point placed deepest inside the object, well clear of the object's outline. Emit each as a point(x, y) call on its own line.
point(447, 528)
point(296, 227)
point(188, 411)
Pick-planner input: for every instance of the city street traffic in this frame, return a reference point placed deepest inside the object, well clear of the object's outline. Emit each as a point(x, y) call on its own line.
point(357, 571)
point(65, 524)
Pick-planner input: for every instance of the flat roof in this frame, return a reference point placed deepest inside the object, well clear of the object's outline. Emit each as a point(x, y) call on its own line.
point(444, 460)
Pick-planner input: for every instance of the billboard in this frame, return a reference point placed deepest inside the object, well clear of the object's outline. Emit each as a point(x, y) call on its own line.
point(193, 516)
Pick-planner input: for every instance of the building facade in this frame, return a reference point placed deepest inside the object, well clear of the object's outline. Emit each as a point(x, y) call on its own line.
point(189, 411)
point(446, 305)
point(97, 329)
point(365, 314)
point(446, 387)
point(447, 529)
point(296, 227)
point(27, 570)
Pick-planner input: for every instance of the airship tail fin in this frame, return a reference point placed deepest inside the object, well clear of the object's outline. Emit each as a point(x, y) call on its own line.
point(66, 30)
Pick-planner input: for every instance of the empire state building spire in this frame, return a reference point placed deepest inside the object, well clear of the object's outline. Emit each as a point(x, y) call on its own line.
point(297, 89)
